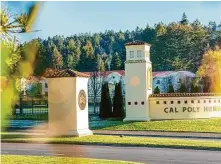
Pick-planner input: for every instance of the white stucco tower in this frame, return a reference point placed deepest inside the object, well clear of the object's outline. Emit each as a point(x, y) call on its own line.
point(138, 78)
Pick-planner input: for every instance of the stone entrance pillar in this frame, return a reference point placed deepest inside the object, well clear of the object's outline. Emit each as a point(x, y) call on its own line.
point(68, 103)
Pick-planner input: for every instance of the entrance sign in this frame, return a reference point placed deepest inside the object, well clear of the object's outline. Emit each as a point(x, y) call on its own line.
point(82, 99)
point(68, 105)
point(142, 105)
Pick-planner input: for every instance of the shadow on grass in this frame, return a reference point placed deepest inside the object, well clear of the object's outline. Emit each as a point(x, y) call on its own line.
point(106, 123)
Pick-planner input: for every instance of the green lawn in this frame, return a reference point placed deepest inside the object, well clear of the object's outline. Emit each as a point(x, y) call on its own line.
point(120, 141)
point(200, 125)
point(19, 159)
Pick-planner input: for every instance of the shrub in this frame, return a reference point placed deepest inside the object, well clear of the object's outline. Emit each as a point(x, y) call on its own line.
point(105, 104)
point(118, 104)
point(194, 88)
point(35, 90)
point(183, 88)
point(156, 90)
point(171, 89)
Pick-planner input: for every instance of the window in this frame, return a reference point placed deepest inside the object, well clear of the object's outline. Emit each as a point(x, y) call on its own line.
point(158, 81)
point(157, 102)
point(135, 103)
point(204, 101)
point(142, 102)
point(46, 85)
point(198, 101)
point(209, 101)
point(214, 101)
point(171, 102)
point(165, 102)
point(129, 103)
point(178, 102)
point(131, 54)
point(219, 101)
point(139, 54)
point(185, 102)
point(192, 101)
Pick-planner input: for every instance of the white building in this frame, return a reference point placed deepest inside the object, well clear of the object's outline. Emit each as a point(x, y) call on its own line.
point(27, 84)
point(160, 79)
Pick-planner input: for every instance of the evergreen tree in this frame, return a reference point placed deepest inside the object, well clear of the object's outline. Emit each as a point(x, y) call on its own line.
point(184, 20)
point(105, 104)
point(171, 89)
point(156, 90)
point(87, 60)
point(116, 62)
point(194, 88)
point(118, 107)
point(183, 88)
point(57, 59)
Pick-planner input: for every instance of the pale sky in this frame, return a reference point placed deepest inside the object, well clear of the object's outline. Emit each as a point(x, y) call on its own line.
point(69, 18)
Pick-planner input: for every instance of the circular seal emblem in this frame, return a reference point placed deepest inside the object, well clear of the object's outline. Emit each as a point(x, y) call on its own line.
point(82, 100)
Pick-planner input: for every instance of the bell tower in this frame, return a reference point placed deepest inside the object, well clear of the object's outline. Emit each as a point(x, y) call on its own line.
point(138, 78)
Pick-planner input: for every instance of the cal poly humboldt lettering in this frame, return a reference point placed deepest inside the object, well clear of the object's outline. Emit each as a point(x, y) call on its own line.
point(192, 109)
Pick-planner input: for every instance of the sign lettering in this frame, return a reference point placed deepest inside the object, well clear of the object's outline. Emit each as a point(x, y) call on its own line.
point(192, 109)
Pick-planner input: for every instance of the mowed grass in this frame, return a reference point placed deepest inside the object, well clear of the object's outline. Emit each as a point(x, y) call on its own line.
point(121, 141)
point(20, 159)
point(200, 125)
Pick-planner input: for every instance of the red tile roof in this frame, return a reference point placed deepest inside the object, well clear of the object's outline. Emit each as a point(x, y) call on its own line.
point(137, 42)
point(106, 73)
point(161, 73)
point(122, 73)
point(50, 73)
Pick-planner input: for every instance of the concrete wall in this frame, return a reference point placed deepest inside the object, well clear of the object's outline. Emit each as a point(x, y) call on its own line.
point(65, 115)
point(61, 101)
point(184, 107)
point(82, 115)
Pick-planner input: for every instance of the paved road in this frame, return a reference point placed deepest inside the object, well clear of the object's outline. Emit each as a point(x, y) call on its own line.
point(137, 154)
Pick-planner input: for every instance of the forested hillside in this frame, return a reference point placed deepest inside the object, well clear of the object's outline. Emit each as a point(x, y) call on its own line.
point(175, 46)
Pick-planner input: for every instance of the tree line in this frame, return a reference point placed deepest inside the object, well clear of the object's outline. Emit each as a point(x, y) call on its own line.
point(175, 46)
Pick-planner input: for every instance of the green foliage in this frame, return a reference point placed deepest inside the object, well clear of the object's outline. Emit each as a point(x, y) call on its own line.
point(57, 59)
point(183, 88)
point(116, 62)
point(156, 90)
point(171, 89)
point(35, 90)
point(118, 105)
point(194, 88)
point(14, 64)
point(184, 20)
point(178, 64)
point(105, 104)
point(176, 46)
